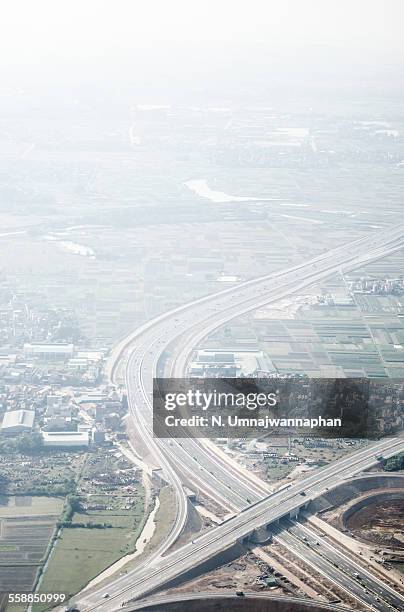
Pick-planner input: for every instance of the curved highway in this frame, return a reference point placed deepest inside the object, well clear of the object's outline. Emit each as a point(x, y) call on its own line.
point(211, 472)
point(167, 599)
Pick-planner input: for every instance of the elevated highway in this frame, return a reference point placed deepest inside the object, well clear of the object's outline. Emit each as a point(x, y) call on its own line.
point(278, 604)
point(226, 483)
point(160, 572)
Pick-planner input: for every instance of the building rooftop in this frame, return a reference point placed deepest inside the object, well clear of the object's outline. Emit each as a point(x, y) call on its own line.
point(61, 347)
point(18, 418)
point(64, 437)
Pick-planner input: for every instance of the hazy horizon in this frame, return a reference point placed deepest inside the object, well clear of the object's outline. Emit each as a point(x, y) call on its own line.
point(171, 48)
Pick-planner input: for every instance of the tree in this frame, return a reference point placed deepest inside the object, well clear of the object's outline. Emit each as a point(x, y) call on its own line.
point(8, 446)
point(74, 502)
point(4, 480)
point(29, 443)
point(394, 464)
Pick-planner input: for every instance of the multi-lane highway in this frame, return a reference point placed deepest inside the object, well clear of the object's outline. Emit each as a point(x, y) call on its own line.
point(172, 600)
point(336, 565)
point(177, 333)
point(159, 572)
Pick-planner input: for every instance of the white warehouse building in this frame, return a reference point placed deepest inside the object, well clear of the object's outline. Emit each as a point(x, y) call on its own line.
point(65, 439)
point(59, 351)
point(17, 421)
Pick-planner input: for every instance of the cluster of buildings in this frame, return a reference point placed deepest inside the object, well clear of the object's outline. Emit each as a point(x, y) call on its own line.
point(378, 286)
point(65, 418)
point(24, 319)
point(56, 363)
point(47, 385)
point(230, 362)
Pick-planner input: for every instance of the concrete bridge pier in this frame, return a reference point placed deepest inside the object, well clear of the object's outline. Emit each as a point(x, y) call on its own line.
point(262, 535)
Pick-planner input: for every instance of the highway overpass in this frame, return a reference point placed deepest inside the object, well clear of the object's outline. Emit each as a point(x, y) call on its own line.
point(213, 473)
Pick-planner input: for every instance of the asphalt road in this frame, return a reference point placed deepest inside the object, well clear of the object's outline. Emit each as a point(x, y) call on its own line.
point(158, 572)
point(213, 474)
point(172, 599)
point(339, 567)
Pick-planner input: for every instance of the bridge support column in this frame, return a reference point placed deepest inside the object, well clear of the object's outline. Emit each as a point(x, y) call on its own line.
point(261, 535)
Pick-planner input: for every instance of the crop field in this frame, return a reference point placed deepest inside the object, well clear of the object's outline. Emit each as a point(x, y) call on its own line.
point(82, 553)
point(26, 527)
point(331, 330)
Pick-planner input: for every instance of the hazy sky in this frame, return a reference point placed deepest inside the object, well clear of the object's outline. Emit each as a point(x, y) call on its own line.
point(173, 36)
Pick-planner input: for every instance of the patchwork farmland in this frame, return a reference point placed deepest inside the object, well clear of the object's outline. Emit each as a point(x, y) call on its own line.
point(26, 527)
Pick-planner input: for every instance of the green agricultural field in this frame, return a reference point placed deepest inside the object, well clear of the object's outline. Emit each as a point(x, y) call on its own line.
point(82, 553)
point(18, 506)
point(27, 525)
